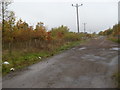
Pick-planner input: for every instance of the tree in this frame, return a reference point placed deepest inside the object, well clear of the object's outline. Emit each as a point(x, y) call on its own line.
point(101, 33)
point(40, 26)
point(4, 11)
point(7, 20)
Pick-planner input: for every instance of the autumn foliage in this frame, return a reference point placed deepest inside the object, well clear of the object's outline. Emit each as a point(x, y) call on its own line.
point(22, 44)
point(112, 33)
point(21, 36)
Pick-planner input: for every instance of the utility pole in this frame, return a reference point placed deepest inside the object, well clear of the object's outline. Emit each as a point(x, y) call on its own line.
point(84, 27)
point(77, 15)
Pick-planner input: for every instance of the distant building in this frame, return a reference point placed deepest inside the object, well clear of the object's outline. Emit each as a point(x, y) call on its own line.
point(119, 12)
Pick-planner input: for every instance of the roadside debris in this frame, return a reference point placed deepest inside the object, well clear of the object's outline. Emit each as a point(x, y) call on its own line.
point(82, 48)
point(39, 57)
point(12, 69)
point(6, 62)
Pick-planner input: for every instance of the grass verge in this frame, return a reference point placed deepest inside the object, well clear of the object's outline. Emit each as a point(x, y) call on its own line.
point(19, 60)
point(115, 39)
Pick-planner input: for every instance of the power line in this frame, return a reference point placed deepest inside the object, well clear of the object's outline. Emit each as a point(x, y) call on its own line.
point(77, 5)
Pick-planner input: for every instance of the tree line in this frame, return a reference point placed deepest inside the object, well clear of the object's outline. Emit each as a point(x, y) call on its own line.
point(18, 34)
point(112, 33)
point(115, 31)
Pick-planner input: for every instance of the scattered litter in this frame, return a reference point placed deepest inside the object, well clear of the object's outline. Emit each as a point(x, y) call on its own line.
point(12, 69)
point(6, 62)
point(82, 48)
point(116, 49)
point(39, 57)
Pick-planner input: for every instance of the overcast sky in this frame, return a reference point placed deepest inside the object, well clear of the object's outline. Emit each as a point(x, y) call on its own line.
point(98, 14)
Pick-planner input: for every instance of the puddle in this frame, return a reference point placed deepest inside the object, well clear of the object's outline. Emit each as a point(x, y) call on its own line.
point(114, 61)
point(115, 49)
point(93, 57)
point(82, 48)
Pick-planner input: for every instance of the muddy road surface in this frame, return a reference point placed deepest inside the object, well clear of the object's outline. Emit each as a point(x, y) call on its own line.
point(89, 65)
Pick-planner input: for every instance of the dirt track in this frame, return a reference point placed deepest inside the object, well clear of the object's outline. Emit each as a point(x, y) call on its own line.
point(89, 65)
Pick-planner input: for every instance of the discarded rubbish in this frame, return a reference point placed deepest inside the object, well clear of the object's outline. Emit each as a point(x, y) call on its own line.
point(12, 69)
point(39, 57)
point(6, 62)
point(82, 48)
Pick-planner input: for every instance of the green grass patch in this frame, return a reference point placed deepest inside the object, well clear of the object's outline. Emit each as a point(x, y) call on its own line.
point(114, 39)
point(68, 45)
point(19, 61)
